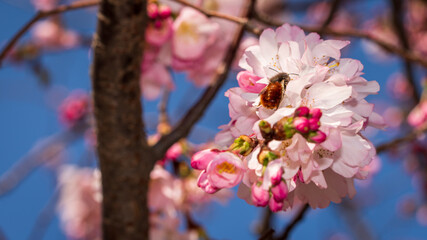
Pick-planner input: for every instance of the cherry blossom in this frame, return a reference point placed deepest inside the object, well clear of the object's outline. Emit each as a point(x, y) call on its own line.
point(309, 148)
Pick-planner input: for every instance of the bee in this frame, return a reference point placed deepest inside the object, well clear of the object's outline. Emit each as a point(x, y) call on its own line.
point(272, 95)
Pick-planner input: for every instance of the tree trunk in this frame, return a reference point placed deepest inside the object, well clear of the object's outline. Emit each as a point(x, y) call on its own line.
point(124, 157)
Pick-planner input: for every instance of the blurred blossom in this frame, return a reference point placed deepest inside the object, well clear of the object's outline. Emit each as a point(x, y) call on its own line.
point(74, 108)
point(398, 87)
point(406, 206)
point(49, 34)
point(418, 116)
point(382, 30)
point(79, 202)
point(421, 215)
point(393, 116)
point(317, 14)
point(411, 163)
point(44, 4)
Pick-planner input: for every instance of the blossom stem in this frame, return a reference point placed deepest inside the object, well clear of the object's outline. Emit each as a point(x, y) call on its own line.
point(41, 15)
point(408, 137)
point(297, 218)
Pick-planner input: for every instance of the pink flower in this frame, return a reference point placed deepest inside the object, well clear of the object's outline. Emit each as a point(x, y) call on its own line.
point(280, 191)
point(418, 116)
point(301, 124)
point(74, 108)
point(200, 160)
point(79, 202)
point(225, 170)
point(260, 196)
point(248, 82)
point(154, 79)
point(275, 206)
point(194, 32)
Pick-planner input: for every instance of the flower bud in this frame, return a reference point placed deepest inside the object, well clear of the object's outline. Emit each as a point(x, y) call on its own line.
point(316, 113)
point(158, 24)
point(301, 124)
point(243, 145)
point(275, 206)
point(317, 137)
point(152, 11)
point(259, 196)
point(277, 177)
point(266, 155)
point(302, 111)
point(265, 129)
point(248, 82)
point(283, 129)
point(164, 12)
point(280, 191)
point(200, 160)
point(314, 124)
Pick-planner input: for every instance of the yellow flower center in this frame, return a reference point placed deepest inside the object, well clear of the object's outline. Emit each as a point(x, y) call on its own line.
point(226, 167)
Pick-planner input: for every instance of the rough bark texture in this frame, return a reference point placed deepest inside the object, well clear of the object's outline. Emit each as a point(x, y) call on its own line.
point(125, 159)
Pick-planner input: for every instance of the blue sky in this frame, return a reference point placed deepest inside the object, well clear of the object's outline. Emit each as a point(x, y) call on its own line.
point(26, 118)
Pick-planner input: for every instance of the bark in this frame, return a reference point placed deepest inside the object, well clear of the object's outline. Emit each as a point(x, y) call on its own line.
point(124, 157)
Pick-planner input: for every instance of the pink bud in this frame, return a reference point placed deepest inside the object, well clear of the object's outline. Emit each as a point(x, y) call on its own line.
point(277, 178)
point(210, 189)
point(302, 111)
point(164, 12)
point(280, 191)
point(316, 113)
point(259, 196)
point(319, 137)
point(200, 160)
point(248, 82)
point(314, 124)
point(152, 11)
point(158, 24)
point(174, 152)
point(301, 124)
point(275, 206)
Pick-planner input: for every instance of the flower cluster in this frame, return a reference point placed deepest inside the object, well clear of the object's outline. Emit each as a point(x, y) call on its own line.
point(184, 40)
point(296, 122)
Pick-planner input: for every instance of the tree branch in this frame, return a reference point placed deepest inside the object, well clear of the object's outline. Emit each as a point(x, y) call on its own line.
point(182, 129)
point(41, 153)
point(297, 218)
point(397, 19)
point(45, 217)
point(40, 15)
point(333, 10)
point(394, 143)
point(264, 228)
point(124, 156)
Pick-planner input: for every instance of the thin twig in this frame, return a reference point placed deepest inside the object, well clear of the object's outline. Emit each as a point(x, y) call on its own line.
point(264, 228)
point(163, 105)
point(182, 129)
point(209, 13)
point(332, 12)
point(41, 153)
point(397, 19)
point(45, 217)
point(43, 14)
point(354, 220)
point(297, 218)
point(193, 225)
point(394, 143)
